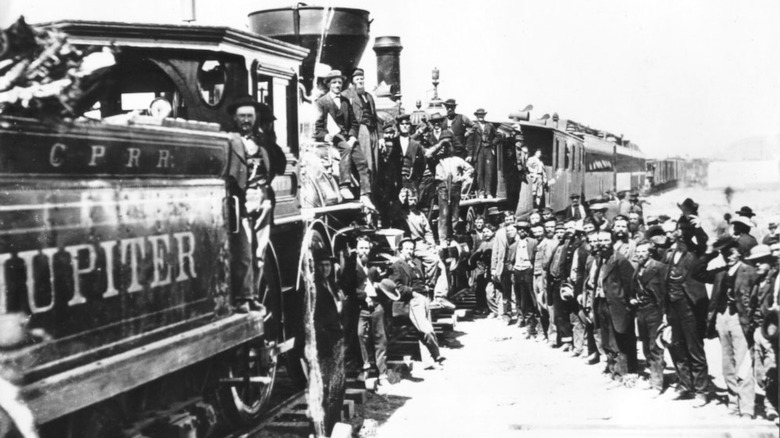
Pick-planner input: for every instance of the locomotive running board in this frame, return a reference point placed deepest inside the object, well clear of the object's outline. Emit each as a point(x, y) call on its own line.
point(80, 387)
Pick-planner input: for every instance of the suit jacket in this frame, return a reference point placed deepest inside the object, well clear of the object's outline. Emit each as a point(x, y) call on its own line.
point(499, 251)
point(653, 282)
point(413, 161)
point(458, 126)
point(408, 278)
point(358, 109)
point(482, 138)
point(354, 279)
point(570, 214)
point(762, 298)
point(743, 287)
point(616, 279)
point(341, 112)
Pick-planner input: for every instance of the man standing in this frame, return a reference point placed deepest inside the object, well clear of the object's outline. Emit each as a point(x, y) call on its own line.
point(365, 113)
point(410, 282)
point(729, 314)
point(259, 161)
point(358, 286)
point(576, 210)
point(432, 143)
point(745, 241)
point(636, 229)
point(479, 261)
point(483, 149)
point(524, 279)
point(616, 320)
point(504, 271)
point(773, 236)
point(451, 172)
point(650, 287)
point(544, 252)
point(687, 315)
point(460, 126)
point(412, 155)
point(560, 270)
point(337, 108)
point(623, 244)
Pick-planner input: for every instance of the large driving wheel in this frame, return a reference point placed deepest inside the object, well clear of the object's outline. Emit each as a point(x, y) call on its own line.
point(247, 373)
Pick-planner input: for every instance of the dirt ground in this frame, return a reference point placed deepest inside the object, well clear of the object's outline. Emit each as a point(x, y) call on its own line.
point(495, 383)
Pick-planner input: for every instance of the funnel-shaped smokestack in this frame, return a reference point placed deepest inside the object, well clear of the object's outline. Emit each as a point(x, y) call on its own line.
point(345, 34)
point(388, 62)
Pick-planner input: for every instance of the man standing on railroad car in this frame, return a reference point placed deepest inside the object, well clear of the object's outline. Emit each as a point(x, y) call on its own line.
point(483, 148)
point(253, 168)
point(451, 173)
point(337, 108)
point(461, 127)
point(364, 108)
point(412, 155)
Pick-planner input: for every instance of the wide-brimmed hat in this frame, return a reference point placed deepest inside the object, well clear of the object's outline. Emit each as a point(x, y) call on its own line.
point(436, 117)
point(742, 220)
point(263, 111)
point(689, 207)
point(388, 287)
point(746, 212)
point(724, 242)
point(450, 102)
point(480, 112)
point(333, 74)
point(322, 254)
point(759, 252)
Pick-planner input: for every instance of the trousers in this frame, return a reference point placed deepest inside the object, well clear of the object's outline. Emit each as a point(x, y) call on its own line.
point(352, 156)
point(737, 363)
point(649, 318)
point(449, 210)
point(486, 170)
point(524, 291)
point(687, 349)
point(420, 315)
point(371, 333)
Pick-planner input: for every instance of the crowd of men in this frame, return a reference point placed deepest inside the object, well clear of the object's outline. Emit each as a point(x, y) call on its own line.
point(597, 288)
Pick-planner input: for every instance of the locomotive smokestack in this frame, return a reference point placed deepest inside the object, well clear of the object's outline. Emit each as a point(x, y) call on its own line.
point(388, 62)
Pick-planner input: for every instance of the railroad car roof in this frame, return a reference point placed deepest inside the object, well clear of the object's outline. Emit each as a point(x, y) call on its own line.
point(177, 36)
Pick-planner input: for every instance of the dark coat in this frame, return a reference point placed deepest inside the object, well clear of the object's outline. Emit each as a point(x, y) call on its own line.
point(408, 278)
point(358, 108)
point(762, 298)
point(353, 279)
point(413, 161)
point(743, 287)
point(653, 281)
point(327, 321)
point(569, 212)
point(482, 138)
point(341, 112)
point(616, 279)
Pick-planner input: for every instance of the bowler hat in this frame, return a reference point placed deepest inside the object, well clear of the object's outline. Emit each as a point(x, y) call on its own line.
point(772, 224)
point(480, 112)
point(656, 234)
point(405, 239)
point(746, 212)
point(742, 220)
point(403, 117)
point(450, 102)
point(388, 287)
point(358, 72)
point(759, 252)
point(689, 207)
point(724, 242)
point(333, 74)
point(436, 117)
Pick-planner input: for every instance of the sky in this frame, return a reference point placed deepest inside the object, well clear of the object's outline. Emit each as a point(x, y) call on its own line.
point(677, 77)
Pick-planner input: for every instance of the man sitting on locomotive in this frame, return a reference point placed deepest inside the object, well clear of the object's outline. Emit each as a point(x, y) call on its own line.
point(255, 167)
point(337, 108)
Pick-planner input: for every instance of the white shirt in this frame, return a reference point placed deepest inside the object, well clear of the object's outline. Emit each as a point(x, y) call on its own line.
point(404, 144)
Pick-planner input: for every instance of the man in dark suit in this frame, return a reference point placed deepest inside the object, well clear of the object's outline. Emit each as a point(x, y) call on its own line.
point(337, 108)
point(412, 154)
point(408, 276)
point(432, 142)
point(686, 308)
point(460, 126)
point(616, 319)
point(729, 315)
point(483, 150)
point(650, 287)
point(576, 210)
point(357, 282)
point(364, 108)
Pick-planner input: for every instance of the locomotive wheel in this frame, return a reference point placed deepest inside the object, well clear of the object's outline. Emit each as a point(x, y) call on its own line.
point(247, 374)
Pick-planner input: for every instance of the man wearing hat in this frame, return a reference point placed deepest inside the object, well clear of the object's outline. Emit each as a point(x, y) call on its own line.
point(452, 172)
point(729, 315)
point(483, 142)
point(635, 204)
point(336, 109)
point(560, 273)
point(412, 154)
point(773, 236)
point(741, 226)
point(650, 286)
point(623, 244)
point(460, 126)
point(687, 304)
point(433, 143)
point(256, 164)
point(576, 210)
point(746, 212)
point(764, 300)
point(364, 108)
